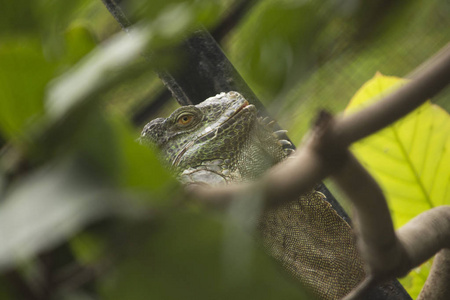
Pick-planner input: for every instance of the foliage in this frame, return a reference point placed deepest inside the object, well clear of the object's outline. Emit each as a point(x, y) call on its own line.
point(408, 159)
point(76, 186)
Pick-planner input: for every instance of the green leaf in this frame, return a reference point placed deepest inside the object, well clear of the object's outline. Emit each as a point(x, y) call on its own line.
point(283, 33)
point(409, 159)
point(186, 256)
point(48, 206)
point(171, 18)
point(18, 17)
point(79, 42)
point(24, 74)
point(98, 71)
point(87, 247)
point(139, 167)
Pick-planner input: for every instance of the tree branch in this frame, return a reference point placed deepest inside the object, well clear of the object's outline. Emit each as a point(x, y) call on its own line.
point(436, 286)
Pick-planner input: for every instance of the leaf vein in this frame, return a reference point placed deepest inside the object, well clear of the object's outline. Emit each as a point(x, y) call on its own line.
point(413, 169)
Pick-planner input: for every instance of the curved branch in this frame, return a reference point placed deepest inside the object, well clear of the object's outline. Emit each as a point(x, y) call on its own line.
point(378, 244)
point(436, 286)
point(424, 236)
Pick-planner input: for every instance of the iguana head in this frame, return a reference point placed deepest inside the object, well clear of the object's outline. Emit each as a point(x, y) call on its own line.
point(219, 140)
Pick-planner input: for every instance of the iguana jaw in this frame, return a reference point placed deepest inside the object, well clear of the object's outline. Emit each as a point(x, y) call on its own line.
point(244, 105)
point(231, 115)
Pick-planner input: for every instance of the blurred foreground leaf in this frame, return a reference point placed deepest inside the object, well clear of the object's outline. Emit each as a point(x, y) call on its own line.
point(140, 169)
point(282, 35)
point(102, 68)
point(24, 73)
point(88, 165)
point(173, 17)
point(48, 206)
point(409, 159)
point(79, 42)
point(185, 256)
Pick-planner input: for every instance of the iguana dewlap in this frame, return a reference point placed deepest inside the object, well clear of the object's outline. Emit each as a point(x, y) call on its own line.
point(223, 140)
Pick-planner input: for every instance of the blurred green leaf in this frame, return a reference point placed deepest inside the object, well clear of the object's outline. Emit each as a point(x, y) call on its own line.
point(72, 102)
point(79, 42)
point(175, 17)
point(87, 247)
point(139, 167)
point(98, 71)
point(47, 207)
point(274, 46)
point(183, 257)
point(18, 16)
point(94, 139)
point(24, 74)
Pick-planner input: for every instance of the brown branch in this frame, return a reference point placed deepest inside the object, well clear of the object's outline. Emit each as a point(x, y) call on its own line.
point(436, 286)
point(424, 236)
point(378, 244)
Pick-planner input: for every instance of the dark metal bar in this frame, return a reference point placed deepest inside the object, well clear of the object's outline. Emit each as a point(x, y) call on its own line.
point(219, 32)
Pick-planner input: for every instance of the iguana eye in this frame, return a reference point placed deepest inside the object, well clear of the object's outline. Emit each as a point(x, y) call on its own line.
point(185, 119)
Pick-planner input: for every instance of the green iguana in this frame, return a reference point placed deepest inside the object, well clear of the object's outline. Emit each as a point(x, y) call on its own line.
point(223, 140)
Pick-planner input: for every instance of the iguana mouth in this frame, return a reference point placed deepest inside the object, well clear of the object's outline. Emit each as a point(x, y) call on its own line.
point(211, 131)
point(244, 105)
point(226, 118)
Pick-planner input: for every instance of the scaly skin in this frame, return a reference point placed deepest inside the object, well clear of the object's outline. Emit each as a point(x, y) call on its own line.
point(222, 140)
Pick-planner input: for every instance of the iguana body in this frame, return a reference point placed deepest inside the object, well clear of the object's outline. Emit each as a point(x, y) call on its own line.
point(221, 141)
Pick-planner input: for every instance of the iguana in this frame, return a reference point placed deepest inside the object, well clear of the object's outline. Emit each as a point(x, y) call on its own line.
point(223, 140)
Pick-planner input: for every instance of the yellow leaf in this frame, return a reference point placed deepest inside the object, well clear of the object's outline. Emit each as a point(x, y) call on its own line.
point(410, 159)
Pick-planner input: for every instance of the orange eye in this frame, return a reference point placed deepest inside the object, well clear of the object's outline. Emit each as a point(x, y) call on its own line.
point(185, 119)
